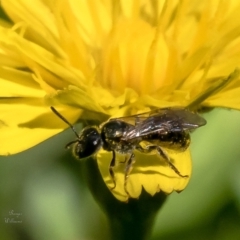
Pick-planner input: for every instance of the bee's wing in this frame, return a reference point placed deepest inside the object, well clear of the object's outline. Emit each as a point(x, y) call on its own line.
point(134, 119)
point(141, 117)
point(164, 114)
point(163, 120)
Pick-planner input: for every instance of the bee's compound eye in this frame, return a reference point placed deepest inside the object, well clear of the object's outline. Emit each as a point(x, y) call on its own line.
point(89, 142)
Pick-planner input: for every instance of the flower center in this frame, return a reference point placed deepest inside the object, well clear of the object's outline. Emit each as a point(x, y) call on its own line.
point(134, 56)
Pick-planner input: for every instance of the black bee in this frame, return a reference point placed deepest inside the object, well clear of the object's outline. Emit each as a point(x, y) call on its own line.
point(167, 128)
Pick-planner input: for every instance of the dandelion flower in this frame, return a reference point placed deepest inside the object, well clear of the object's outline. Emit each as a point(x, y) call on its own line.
point(104, 59)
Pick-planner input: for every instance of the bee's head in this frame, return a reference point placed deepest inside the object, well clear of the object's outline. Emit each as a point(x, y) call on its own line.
point(88, 142)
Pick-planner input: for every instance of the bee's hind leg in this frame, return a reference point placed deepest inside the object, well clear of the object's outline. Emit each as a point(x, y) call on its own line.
point(167, 159)
point(164, 155)
point(128, 169)
point(111, 166)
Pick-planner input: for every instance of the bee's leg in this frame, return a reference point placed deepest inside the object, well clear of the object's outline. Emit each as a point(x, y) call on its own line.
point(163, 154)
point(111, 166)
point(125, 160)
point(128, 169)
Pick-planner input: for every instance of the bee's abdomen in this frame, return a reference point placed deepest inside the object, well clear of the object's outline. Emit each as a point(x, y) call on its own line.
point(171, 140)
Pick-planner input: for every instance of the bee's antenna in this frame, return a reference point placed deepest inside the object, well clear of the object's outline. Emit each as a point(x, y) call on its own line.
point(65, 120)
point(70, 143)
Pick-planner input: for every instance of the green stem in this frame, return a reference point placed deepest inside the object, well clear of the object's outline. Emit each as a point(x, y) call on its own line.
point(135, 219)
point(131, 220)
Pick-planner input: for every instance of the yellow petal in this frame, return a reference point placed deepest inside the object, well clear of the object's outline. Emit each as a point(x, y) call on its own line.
point(14, 140)
point(35, 56)
point(19, 119)
point(228, 99)
point(76, 97)
point(149, 172)
point(15, 83)
point(42, 30)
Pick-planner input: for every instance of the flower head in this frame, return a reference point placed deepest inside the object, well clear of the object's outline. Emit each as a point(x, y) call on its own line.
point(101, 59)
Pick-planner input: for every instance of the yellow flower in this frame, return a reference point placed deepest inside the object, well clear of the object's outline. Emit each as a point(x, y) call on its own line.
point(100, 59)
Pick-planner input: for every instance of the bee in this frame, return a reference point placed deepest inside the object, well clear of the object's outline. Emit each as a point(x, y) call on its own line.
point(162, 129)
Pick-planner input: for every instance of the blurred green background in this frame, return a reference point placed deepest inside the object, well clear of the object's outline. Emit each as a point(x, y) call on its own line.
point(43, 195)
